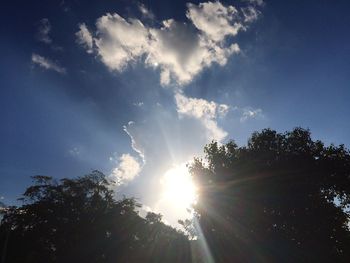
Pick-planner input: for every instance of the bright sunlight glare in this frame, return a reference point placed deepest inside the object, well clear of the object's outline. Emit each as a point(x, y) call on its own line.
point(178, 187)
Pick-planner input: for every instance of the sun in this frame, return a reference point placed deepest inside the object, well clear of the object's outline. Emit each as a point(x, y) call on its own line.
point(178, 188)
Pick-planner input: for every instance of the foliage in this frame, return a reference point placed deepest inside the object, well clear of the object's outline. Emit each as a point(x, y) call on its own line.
point(282, 198)
point(78, 220)
point(274, 200)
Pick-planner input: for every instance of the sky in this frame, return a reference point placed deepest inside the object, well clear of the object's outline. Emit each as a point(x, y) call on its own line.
point(135, 89)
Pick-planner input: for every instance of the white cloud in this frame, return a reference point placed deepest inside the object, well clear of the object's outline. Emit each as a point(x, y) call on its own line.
point(84, 38)
point(138, 104)
point(206, 111)
point(256, 2)
point(146, 12)
point(199, 108)
point(250, 113)
point(47, 63)
point(119, 41)
point(214, 20)
point(182, 53)
point(222, 109)
point(128, 168)
point(250, 14)
point(74, 151)
point(180, 50)
point(43, 31)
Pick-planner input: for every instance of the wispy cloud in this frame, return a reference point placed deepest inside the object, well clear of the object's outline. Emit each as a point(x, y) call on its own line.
point(145, 11)
point(181, 50)
point(256, 2)
point(250, 113)
point(205, 111)
point(84, 38)
point(43, 34)
point(138, 104)
point(47, 64)
point(64, 5)
point(250, 14)
point(128, 167)
point(136, 146)
point(74, 151)
point(44, 29)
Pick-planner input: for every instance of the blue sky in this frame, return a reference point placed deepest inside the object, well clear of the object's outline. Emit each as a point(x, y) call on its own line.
point(136, 88)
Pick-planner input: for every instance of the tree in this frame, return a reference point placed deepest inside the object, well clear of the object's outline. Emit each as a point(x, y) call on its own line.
point(78, 220)
point(281, 198)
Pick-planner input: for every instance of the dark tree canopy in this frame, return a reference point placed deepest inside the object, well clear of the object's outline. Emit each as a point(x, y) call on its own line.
point(273, 200)
point(281, 198)
point(78, 220)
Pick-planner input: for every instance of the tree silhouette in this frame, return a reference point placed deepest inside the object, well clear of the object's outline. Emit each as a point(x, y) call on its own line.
point(78, 220)
point(282, 198)
point(275, 199)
